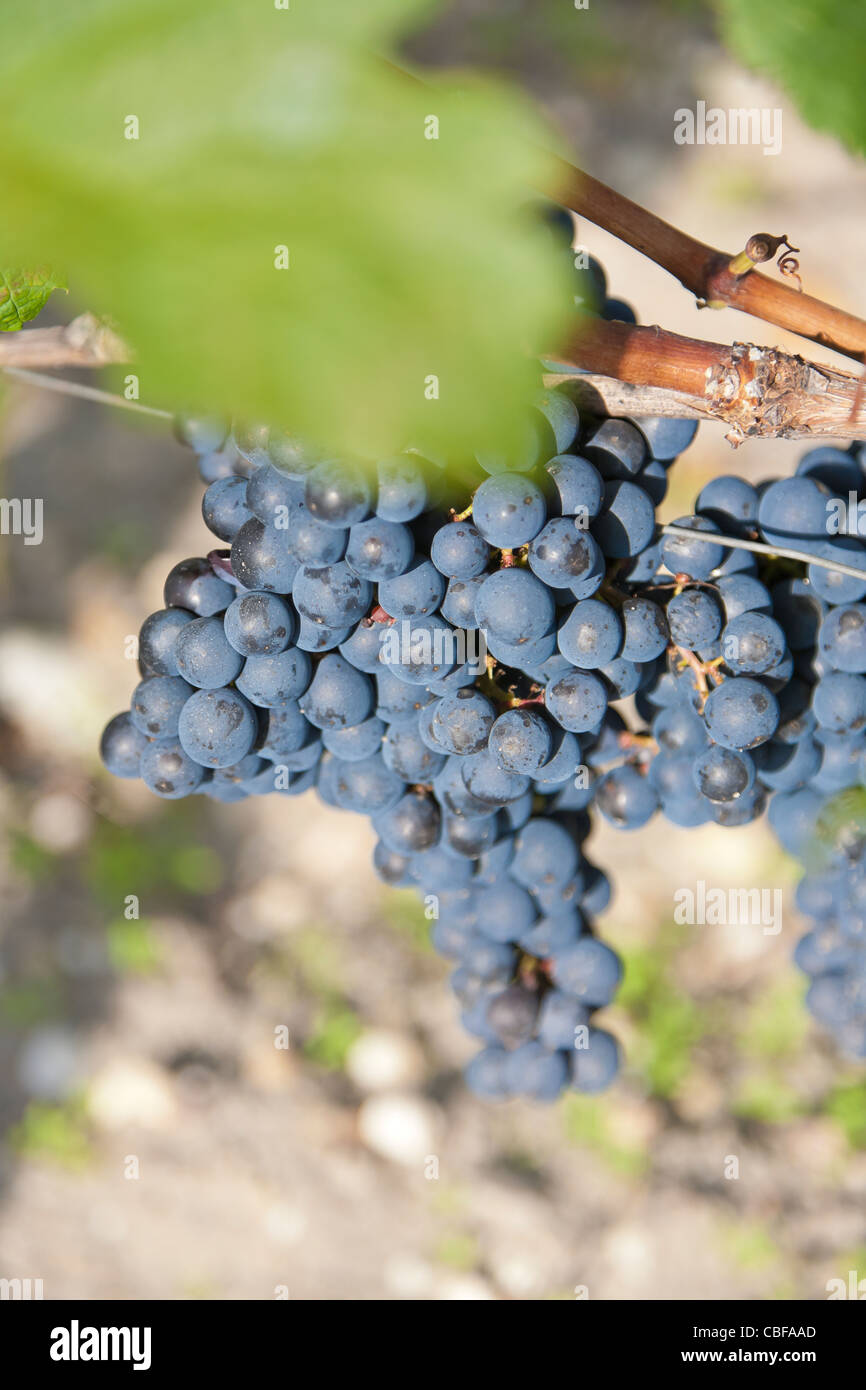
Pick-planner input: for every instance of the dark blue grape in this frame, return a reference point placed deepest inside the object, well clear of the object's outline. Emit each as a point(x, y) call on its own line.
point(416, 592)
point(459, 551)
point(594, 1067)
point(217, 727)
point(545, 855)
point(577, 701)
point(514, 605)
point(592, 634)
point(331, 596)
point(731, 503)
point(666, 437)
point(274, 498)
point(835, 468)
point(753, 643)
point(743, 593)
point(261, 559)
point(589, 971)
point(461, 723)
point(793, 513)
point(694, 618)
point(157, 641)
point(832, 585)
point(367, 786)
point(274, 680)
point(411, 825)
point(402, 491)
point(259, 624)
point(617, 448)
point(490, 784)
point(741, 713)
point(339, 695)
point(205, 434)
point(561, 415)
point(508, 511)
point(721, 774)
point(224, 507)
point(687, 555)
point(288, 730)
point(625, 798)
point(193, 585)
point(579, 486)
point(337, 494)
point(842, 638)
point(564, 556)
point(379, 549)
point(157, 702)
point(205, 658)
point(169, 772)
point(356, 742)
point(406, 754)
point(521, 740)
point(122, 745)
point(645, 629)
point(311, 542)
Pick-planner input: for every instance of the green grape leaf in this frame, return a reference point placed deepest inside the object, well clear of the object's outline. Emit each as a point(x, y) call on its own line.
point(23, 293)
point(254, 197)
point(814, 50)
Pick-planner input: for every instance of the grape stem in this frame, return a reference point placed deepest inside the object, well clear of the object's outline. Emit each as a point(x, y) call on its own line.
point(759, 547)
point(688, 658)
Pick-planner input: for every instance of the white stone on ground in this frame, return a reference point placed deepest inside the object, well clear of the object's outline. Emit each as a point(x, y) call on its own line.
point(401, 1128)
point(381, 1060)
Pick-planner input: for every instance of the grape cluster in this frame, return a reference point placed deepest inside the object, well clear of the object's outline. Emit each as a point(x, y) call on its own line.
point(455, 675)
point(330, 646)
point(833, 952)
point(760, 695)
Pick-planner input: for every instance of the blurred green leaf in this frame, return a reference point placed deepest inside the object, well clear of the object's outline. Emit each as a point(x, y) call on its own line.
point(131, 947)
point(29, 858)
point(23, 293)
point(586, 1120)
point(458, 1250)
point(258, 129)
point(814, 50)
point(847, 1106)
point(151, 858)
point(28, 1002)
point(316, 956)
point(335, 1030)
point(750, 1245)
point(55, 1132)
point(669, 1023)
point(776, 1024)
point(404, 911)
point(766, 1097)
point(196, 868)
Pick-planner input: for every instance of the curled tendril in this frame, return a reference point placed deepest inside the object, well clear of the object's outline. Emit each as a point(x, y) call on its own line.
point(763, 247)
point(789, 265)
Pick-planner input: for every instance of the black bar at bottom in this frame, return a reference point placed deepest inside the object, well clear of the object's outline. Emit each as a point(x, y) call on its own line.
point(81, 1339)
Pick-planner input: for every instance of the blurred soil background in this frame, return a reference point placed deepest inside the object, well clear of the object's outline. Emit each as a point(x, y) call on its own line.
point(156, 1143)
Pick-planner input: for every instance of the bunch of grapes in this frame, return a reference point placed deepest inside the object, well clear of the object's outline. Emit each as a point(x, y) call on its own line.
point(457, 673)
point(833, 953)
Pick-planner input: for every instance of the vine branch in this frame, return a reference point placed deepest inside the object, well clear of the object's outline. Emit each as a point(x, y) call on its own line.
point(706, 271)
point(755, 391)
point(85, 342)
